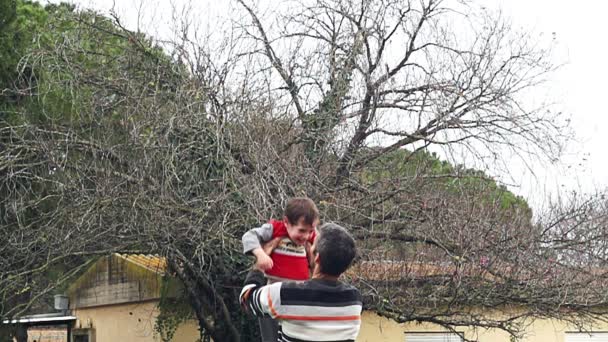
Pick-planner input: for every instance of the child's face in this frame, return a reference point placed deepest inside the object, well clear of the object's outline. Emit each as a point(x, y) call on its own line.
point(300, 232)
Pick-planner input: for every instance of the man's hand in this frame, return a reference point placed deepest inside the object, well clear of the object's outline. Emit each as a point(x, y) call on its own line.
point(271, 245)
point(262, 260)
point(309, 256)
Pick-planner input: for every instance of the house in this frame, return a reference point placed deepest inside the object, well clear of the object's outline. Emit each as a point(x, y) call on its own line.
point(117, 299)
point(49, 327)
point(375, 328)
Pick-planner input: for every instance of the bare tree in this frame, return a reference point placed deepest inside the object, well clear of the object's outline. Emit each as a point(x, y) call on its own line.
point(178, 154)
point(407, 74)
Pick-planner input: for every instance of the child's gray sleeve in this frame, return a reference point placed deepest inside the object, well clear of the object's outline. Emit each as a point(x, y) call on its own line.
point(253, 238)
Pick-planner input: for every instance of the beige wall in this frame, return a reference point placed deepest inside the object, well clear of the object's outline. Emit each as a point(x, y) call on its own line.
point(378, 329)
point(129, 322)
point(187, 332)
point(47, 334)
point(135, 323)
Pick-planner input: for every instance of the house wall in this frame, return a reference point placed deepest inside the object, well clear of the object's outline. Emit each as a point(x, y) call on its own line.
point(129, 322)
point(113, 280)
point(135, 323)
point(47, 334)
point(379, 329)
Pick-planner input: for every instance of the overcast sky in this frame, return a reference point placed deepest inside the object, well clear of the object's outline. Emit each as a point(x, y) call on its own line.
point(579, 29)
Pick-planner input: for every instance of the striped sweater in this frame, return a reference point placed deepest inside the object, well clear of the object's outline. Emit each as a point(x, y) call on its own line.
point(314, 310)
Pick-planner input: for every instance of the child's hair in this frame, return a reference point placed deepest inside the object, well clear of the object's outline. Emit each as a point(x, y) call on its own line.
point(301, 208)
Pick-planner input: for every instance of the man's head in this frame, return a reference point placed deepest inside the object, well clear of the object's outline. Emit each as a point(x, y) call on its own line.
point(301, 217)
point(334, 249)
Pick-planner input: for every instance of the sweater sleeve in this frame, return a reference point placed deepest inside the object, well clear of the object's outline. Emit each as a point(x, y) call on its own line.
point(252, 238)
point(260, 300)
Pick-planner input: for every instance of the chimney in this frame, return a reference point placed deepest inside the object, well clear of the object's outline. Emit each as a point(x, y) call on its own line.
point(61, 303)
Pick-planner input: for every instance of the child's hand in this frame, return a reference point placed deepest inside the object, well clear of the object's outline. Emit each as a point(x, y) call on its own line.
point(263, 262)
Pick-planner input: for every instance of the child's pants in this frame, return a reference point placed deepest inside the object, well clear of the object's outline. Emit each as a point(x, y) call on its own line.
point(269, 329)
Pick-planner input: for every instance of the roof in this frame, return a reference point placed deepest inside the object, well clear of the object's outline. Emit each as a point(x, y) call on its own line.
point(392, 270)
point(150, 262)
point(387, 270)
point(123, 278)
point(42, 318)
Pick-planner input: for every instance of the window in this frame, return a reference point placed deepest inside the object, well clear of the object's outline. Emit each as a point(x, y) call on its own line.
point(81, 338)
point(433, 337)
point(83, 335)
point(587, 337)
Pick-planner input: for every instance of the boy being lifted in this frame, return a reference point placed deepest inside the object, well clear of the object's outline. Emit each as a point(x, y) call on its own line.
point(287, 257)
point(286, 252)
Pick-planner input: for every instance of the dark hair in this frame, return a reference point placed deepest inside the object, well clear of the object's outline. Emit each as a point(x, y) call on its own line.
point(336, 249)
point(301, 208)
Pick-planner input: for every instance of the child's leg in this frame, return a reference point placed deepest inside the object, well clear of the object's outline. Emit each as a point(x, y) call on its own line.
point(269, 329)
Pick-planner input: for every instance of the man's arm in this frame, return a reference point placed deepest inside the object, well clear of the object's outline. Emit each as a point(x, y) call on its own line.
point(257, 299)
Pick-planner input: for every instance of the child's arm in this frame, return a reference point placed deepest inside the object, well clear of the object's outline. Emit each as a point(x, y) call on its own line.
point(251, 244)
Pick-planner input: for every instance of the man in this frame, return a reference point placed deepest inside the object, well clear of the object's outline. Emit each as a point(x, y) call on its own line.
point(320, 309)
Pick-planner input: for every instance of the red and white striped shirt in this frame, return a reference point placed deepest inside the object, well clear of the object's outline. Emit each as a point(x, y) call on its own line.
point(314, 310)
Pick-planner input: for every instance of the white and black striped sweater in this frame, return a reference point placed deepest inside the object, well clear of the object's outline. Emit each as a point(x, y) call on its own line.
point(314, 310)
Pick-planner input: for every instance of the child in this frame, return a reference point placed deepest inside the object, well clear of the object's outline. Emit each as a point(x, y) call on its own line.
point(287, 257)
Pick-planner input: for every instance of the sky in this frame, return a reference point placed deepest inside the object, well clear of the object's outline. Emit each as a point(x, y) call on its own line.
point(578, 86)
point(578, 30)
